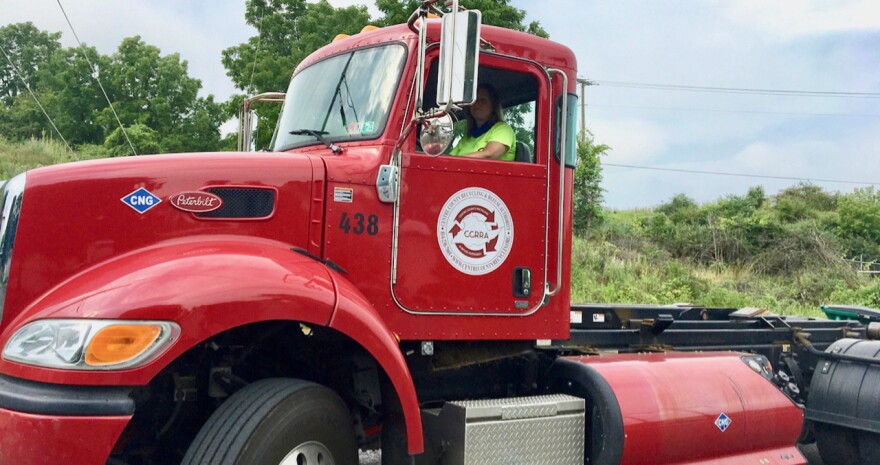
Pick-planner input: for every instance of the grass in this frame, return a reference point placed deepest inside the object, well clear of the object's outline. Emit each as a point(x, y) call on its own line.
point(16, 157)
point(604, 272)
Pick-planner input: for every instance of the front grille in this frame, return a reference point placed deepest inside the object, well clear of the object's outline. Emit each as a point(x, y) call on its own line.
point(13, 192)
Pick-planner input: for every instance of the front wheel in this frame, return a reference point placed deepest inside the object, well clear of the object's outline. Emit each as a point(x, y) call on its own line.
point(277, 422)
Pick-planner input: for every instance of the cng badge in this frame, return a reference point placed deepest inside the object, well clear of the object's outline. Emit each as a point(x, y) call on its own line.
point(723, 422)
point(475, 231)
point(141, 200)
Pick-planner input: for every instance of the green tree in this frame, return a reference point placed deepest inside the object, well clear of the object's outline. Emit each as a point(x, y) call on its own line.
point(145, 88)
point(25, 50)
point(67, 91)
point(199, 130)
point(680, 209)
point(141, 136)
point(25, 54)
point(156, 91)
point(587, 195)
point(77, 99)
point(22, 119)
point(803, 201)
point(289, 30)
point(859, 222)
point(495, 13)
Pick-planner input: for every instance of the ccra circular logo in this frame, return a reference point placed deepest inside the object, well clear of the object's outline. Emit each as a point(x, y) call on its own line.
point(475, 231)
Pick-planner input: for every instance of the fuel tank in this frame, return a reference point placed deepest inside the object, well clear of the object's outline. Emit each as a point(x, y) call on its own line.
point(75, 216)
point(843, 403)
point(682, 408)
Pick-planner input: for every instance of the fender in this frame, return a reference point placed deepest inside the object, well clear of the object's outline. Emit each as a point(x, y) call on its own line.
point(355, 316)
point(211, 285)
point(206, 285)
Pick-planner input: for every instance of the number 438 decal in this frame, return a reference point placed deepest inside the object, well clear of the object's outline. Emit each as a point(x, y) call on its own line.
point(358, 224)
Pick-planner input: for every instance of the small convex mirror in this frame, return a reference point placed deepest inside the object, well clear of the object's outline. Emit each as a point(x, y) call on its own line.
point(459, 57)
point(437, 134)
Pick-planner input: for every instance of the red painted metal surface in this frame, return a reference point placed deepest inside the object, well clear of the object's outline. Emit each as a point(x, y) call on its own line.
point(73, 219)
point(51, 440)
point(670, 403)
point(206, 284)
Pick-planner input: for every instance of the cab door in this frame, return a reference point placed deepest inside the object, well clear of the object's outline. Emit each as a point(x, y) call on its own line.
point(472, 234)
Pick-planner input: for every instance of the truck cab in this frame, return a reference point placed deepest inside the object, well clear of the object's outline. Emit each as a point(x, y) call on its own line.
point(169, 283)
point(509, 223)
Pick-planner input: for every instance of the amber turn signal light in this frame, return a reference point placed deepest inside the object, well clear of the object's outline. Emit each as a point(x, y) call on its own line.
point(120, 343)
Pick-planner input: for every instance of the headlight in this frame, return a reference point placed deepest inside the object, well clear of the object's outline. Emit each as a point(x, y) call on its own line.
point(759, 364)
point(90, 344)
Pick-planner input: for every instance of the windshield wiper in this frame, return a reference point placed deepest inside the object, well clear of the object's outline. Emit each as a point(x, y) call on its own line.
point(318, 135)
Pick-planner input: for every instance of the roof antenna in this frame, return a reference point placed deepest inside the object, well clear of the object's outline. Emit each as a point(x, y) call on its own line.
point(95, 73)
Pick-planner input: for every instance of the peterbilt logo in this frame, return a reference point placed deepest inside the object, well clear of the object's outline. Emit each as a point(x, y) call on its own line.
point(195, 201)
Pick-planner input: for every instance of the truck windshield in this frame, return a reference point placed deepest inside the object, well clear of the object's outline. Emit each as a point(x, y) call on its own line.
point(345, 97)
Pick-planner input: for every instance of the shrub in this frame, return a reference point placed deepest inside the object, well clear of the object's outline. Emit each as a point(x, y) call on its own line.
point(144, 140)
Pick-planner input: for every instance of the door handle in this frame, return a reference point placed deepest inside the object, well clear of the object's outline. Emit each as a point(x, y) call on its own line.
point(522, 282)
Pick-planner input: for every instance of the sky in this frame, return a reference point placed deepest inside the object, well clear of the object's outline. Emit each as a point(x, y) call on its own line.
point(662, 140)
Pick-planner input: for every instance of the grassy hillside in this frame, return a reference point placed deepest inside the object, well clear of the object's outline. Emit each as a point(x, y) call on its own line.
point(16, 157)
point(787, 253)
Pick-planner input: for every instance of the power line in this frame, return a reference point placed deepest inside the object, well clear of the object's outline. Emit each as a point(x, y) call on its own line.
point(97, 79)
point(718, 110)
point(740, 175)
point(28, 87)
point(737, 90)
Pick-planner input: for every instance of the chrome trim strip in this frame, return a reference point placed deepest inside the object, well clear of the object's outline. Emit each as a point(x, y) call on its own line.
point(13, 193)
point(562, 156)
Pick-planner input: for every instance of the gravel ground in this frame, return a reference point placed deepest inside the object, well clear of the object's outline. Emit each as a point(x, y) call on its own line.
point(370, 457)
point(810, 453)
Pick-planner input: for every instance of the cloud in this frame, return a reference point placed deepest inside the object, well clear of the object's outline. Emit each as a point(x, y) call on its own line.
point(793, 18)
point(848, 155)
point(198, 32)
point(853, 158)
point(632, 141)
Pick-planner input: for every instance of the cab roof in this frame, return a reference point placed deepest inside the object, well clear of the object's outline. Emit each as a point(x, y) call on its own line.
point(506, 42)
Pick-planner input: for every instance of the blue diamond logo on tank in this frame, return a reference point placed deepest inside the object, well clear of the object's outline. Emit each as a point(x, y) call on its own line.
point(723, 422)
point(141, 200)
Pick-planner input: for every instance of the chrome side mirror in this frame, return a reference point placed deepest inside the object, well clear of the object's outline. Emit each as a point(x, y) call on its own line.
point(437, 134)
point(459, 57)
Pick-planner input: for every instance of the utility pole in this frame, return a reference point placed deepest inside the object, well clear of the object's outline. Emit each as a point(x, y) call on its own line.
point(584, 83)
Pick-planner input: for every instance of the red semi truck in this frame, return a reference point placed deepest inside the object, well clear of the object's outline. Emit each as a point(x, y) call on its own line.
point(352, 288)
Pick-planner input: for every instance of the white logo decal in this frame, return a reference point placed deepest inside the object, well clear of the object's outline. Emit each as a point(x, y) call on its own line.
point(475, 231)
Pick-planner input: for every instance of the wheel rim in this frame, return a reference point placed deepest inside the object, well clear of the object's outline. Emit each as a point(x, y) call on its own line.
point(309, 453)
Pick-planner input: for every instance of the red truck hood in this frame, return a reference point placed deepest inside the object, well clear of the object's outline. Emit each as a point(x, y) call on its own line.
point(77, 215)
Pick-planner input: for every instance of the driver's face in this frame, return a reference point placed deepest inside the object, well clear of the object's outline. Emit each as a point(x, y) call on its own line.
point(481, 109)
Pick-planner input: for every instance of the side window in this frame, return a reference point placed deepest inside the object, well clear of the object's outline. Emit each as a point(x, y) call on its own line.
point(570, 144)
point(522, 119)
point(517, 93)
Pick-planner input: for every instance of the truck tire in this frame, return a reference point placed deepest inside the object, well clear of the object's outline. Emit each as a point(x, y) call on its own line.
point(277, 422)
